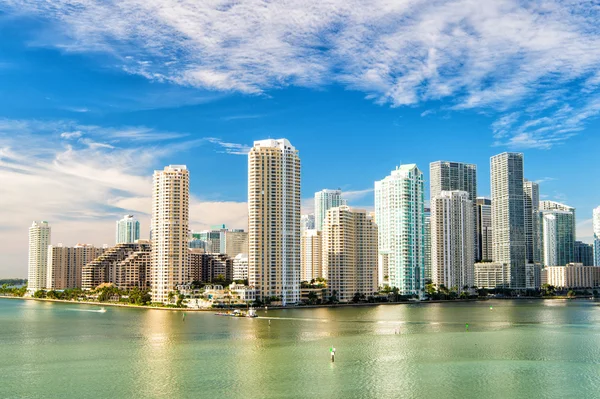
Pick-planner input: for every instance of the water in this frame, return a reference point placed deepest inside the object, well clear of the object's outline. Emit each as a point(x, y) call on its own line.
point(520, 349)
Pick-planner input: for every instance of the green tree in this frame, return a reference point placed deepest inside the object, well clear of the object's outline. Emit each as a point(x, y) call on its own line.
point(312, 297)
point(39, 294)
point(571, 294)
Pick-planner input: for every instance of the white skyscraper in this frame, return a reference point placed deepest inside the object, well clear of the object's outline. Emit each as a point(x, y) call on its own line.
point(452, 254)
point(170, 224)
point(274, 220)
point(399, 214)
point(596, 226)
point(324, 200)
point(310, 255)
point(128, 230)
point(508, 217)
point(39, 240)
point(531, 191)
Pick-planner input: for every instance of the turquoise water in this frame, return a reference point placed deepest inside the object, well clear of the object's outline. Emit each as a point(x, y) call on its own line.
point(519, 349)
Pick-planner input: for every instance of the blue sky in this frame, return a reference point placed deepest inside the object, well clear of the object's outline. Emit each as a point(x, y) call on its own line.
point(96, 95)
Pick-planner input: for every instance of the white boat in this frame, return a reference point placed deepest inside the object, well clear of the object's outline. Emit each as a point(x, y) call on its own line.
point(251, 313)
point(102, 310)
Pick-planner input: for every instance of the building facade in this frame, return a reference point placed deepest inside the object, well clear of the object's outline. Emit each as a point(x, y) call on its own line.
point(311, 255)
point(39, 240)
point(65, 265)
point(483, 226)
point(240, 267)
point(531, 196)
point(491, 275)
point(427, 243)
point(556, 237)
point(508, 216)
point(236, 242)
point(128, 230)
point(274, 220)
point(596, 227)
point(170, 227)
point(584, 253)
point(307, 222)
point(573, 275)
point(349, 253)
point(399, 211)
point(207, 268)
point(325, 200)
point(452, 231)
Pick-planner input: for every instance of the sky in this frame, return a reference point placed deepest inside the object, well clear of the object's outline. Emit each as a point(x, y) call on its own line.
point(94, 96)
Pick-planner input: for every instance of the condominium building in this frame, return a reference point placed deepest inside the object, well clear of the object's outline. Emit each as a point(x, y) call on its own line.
point(508, 216)
point(325, 200)
point(125, 265)
point(452, 255)
point(39, 240)
point(207, 268)
point(427, 243)
point(556, 236)
point(310, 255)
point(349, 253)
point(573, 275)
point(453, 176)
point(274, 220)
point(584, 253)
point(596, 227)
point(240, 267)
point(235, 242)
point(491, 275)
point(128, 230)
point(65, 265)
point(399, 211)
point(531, 192)
point(170, 224)
point(484, 229)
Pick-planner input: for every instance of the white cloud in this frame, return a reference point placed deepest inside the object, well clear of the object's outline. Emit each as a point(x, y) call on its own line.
point(230, 148)
point(356, 195)
point(496, 54)
point(71, 135)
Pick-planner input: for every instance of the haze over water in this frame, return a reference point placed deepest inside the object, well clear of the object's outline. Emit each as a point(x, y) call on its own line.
point(518, 349)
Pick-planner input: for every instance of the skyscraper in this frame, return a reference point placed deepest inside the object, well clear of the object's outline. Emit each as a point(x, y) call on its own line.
point(556, 237)
point(596, 227)
point(235, 242)
point(452, 255)
point(531, 191)
point(39, 240)
point(128, 230)
point(584, 253)
point(427, 243)
point(274, 220)
point(65, 265)
point(170, 225)
point(399, 211)
point(508, 217)
point(310, 255)
point(484, 229)
point(324, 200)
point(307, 222)
point(349, 253)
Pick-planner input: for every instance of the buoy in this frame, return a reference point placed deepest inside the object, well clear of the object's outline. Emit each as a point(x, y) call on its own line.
point(332, 351)
point(467, 326)
point(184, 317)
point(269, 322)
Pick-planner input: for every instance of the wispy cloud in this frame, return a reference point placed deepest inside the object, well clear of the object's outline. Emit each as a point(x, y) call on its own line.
point(501, 55)
point(230, 148)
point(356, 195)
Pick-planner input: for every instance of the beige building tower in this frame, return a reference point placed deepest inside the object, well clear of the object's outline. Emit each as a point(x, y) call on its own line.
point(274, 220)
point(311, 255)
point(349, 253)
point(169, 235)
point(39, 240)
point(65, 265)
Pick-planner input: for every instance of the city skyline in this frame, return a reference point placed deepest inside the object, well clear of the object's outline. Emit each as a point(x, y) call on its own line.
point(98, 111)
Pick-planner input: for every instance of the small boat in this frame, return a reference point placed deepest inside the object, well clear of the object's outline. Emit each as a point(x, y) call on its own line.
point(251, 313)
point(102, 310)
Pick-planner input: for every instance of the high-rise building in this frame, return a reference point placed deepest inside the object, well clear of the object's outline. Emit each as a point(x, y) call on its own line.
point(240, 267)
point(128, 230)
point(39, 240)
point(557, 206)
point(170, 224)
point(484, 229)
point(452, 255)
point(531, 192)
point(349, 253)
point(307, 222)
point(508, 217)
point(324, 200)
point(274, 220)
point(427, 243)
point(399, 211)
point(235, 242)
point(556, 237)
point(214, 242)
point(596, 227)
point(207, 268)
point(310, 255)
point(584, 253)
point(65, 265)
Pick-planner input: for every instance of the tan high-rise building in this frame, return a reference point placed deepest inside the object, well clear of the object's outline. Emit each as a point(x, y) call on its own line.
point(39, 240)
point(236, 242)
point(65, 265)
point(310, 255)
point(274, 220)
point(169, 235)
point(350, 255)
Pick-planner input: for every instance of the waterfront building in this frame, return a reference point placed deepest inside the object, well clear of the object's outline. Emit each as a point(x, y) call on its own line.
point(240, 267)
point(596, 228)
point(427, 243)
point(508, 217)
point(170, 226)
point(311, 255)
point(533, 276)
point(325, 200)
point(491, 275)
point(484, 229)
point(207, 268)
point(128, 230)
point(127, 266)
point(65, 265)
point(235, 242)
point(452, 255)
point(556, 236)
point(307, 222)
point(349, 253)
point(573, 275)
point(274, 220)
point(531, 192)
point(584, 253)
point(399, 211)
point(39, 240)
